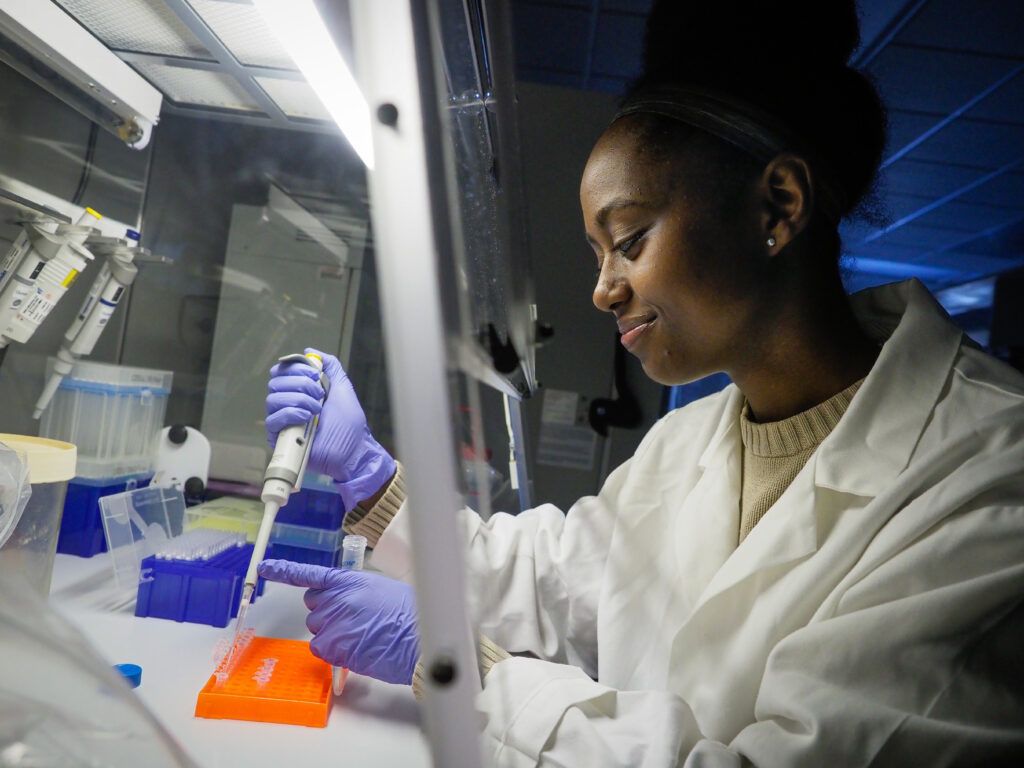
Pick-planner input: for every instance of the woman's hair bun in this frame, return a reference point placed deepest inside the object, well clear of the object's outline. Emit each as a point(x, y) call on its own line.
point(789, 59)
point(749, 32)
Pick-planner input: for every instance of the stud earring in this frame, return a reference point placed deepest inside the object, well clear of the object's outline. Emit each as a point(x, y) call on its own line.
point(771, 242)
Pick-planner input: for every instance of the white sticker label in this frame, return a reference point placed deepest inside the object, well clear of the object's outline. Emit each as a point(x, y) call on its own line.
point(105, 313)
point(21, 292)
point(565, 440)
point(38, 308)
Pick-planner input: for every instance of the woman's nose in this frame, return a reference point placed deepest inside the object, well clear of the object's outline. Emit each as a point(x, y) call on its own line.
point(611, 290)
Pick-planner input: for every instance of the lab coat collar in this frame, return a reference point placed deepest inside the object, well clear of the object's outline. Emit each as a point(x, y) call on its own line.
point(886, 416)
point(889, 412)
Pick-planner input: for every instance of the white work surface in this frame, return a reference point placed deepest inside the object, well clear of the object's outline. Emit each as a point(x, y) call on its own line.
point(370, 724)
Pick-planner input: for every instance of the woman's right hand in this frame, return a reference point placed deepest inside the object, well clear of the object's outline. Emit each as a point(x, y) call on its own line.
point(343, 446)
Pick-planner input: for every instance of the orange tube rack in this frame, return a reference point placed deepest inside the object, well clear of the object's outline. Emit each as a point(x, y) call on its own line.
point(271, 681)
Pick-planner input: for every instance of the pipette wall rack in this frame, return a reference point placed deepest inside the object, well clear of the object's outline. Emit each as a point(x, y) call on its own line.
point(201, 591)
point(268, 680)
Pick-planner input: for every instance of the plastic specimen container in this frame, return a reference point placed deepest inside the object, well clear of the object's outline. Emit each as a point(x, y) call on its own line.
point(204, 591)
point(112, 413)
point(29, 552)
point(272, 681)
point(298, 543)
point(81, 525)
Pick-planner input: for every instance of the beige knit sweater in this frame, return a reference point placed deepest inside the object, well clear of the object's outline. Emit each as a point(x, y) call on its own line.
point(774, 452)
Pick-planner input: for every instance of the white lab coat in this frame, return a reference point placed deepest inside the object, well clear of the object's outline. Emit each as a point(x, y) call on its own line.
point(874, 616)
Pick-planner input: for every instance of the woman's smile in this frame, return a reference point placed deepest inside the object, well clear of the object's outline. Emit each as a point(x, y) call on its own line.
point(632, 330)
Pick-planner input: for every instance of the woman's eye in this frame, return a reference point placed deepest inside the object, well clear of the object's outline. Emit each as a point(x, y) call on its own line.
point(627, 245)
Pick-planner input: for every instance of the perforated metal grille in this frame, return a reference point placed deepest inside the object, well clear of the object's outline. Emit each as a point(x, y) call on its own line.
point(145, 26)
point(244, 33)
point(295, 98)
point(193, 86)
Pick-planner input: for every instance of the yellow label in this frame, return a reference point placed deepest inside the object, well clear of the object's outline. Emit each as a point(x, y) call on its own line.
point(70, 278)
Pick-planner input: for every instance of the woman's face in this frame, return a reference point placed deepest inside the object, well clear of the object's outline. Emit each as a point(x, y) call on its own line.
point(681, 259)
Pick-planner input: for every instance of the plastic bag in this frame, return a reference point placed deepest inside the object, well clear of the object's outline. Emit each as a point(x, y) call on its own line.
point(15, 489)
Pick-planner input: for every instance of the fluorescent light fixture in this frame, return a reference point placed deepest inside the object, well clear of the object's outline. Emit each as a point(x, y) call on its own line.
point(46, 45)
point(304, 35)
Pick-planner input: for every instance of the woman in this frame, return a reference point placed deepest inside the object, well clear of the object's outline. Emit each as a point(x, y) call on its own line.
point(820, 565)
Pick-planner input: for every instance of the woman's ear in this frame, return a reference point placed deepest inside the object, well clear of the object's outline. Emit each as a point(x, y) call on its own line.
point(787, 200)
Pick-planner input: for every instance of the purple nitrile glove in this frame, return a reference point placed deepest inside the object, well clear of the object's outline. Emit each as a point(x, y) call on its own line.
point(343, 447)
point(362, 621)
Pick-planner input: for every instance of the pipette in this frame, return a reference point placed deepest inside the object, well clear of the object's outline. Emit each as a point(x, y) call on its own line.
point(282, 478)
point(49, 263)
point(117, 273)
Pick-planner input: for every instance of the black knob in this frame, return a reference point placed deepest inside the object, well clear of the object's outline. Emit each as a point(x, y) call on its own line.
point(442, 671)
point(177, 434)
point(194, 487)
point(388, 114)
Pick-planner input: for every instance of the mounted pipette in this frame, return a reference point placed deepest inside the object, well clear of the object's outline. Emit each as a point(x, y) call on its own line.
point(282, 478)
point(117, 273)
point(37, 271)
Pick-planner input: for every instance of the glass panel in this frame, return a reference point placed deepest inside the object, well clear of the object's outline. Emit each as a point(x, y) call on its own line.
point(489, 259)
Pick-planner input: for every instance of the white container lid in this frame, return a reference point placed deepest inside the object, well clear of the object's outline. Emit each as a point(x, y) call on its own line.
point(49, 461)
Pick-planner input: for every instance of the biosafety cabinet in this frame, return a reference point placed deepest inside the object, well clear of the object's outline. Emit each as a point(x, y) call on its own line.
point(223, 182)
point(280, 175)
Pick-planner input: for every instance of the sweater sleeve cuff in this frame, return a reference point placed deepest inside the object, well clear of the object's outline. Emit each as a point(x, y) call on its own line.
point(372, 522)
point(488, 654)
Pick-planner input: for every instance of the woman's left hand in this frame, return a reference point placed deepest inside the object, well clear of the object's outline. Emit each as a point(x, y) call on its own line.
point(361, 621)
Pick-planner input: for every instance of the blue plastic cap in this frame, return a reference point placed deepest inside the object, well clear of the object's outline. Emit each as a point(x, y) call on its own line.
point(131, 234)
point(132, 673)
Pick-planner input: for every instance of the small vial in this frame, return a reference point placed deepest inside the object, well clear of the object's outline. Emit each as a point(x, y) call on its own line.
point(353, 548)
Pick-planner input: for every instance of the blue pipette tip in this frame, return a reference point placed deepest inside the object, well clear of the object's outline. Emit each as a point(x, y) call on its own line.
point(132, 673)
point(131, 234)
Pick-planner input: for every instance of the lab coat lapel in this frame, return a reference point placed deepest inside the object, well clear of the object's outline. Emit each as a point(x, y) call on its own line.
point(787, 533)
point(705, 529)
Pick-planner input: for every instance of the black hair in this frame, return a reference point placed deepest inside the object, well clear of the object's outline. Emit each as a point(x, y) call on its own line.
point(788, 58)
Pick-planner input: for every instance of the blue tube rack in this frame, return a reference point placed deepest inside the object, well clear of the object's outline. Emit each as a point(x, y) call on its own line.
point(197, 591)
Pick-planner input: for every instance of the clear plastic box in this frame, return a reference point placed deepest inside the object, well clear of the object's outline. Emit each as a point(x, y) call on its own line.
point(112, 413)
point(136, 523)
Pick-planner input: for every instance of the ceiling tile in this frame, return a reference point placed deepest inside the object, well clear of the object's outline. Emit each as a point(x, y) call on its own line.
point(923, 80)
point(296, 98)
point(198, 87)
point(931, 179)
point(618, 45)
point(985, 26)
point(905, 127)
point(551, 38)
point(1005, 189)
point(966, 217)
point(548, 77)
point(1004, 105)
point(243, 31)
point(639, 7)
point(985, 145)
point(143, 26)
point(613, 85)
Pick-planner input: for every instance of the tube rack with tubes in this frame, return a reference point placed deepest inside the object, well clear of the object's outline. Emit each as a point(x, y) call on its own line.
point(267, 679)
point(199, 544)
point(201, 590)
